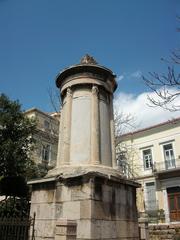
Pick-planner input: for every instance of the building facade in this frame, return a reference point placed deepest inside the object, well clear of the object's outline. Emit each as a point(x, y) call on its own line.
point(46, 137)
point(152, 157)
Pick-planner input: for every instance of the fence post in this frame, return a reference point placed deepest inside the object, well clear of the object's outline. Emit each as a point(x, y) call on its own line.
point(33, 222)
point(143, 228)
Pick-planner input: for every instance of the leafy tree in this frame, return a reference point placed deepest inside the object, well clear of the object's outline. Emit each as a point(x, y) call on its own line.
point(55, 99)
point(16, 140)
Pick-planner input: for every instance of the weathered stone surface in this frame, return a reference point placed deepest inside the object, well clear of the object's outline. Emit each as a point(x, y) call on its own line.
point(45, 229)
point(98, 204)
point(84, 229)
point(159, 232)
point(71, 210)
point(43, 210)
point(86, 209)
point(43, 196)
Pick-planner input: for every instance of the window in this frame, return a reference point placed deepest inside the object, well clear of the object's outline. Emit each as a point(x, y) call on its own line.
point(46, 153)
point(147, 158)
point(169, 156)
point(150, 196)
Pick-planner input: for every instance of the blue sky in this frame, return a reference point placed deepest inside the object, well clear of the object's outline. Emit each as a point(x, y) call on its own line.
point(38, 38)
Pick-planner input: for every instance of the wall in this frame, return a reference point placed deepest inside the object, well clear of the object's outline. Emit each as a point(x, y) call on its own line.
point(161, 232)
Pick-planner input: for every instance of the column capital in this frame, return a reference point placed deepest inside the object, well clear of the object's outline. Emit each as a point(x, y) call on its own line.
point(95, 90)
point(69, 92)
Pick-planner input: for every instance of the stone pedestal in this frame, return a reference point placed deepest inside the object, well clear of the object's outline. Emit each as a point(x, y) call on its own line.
point(93, 204)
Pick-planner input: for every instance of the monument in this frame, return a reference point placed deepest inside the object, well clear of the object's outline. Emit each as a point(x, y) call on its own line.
point(85, 197)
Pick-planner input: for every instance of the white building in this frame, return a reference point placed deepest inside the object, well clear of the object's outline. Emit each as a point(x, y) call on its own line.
point(152, 157)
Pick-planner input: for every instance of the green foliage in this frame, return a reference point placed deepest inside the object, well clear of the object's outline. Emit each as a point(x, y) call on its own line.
point(14, 186)
point(43, 169)
point(14, 207)
point(16, 132)
point(16, 166)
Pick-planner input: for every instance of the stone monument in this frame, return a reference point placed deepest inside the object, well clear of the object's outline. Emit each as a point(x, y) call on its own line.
point(85, 197)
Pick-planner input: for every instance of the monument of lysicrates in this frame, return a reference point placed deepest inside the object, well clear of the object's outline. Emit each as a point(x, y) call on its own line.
point(85, 196)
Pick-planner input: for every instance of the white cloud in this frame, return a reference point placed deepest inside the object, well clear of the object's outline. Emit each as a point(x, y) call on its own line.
point(144, 115)
point(136, 74)
point(119, 78)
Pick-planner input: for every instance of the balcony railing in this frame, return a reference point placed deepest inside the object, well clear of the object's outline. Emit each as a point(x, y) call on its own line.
point(172, 164)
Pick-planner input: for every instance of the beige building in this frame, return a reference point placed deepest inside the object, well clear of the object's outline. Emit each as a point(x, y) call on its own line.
point(46, 137)
point(152, 157)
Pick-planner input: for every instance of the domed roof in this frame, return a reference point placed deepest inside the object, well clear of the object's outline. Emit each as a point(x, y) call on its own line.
point(87, 65)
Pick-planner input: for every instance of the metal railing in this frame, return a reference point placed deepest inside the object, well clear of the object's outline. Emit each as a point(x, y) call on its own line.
point(166, 165)
point(16, 228)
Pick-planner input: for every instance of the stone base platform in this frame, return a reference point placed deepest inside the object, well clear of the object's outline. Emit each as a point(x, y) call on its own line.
point(84, 204)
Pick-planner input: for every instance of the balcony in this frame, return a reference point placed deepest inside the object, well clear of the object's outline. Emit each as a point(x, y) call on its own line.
point(169, 168)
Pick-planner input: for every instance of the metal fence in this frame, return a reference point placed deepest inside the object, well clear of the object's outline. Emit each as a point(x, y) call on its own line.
point(16, 229)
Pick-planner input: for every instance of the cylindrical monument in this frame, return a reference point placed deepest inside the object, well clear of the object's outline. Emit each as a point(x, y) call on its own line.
point(86, 129)
point(85, 197)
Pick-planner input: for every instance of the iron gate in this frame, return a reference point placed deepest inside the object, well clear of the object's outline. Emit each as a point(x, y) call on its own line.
point(16, 229)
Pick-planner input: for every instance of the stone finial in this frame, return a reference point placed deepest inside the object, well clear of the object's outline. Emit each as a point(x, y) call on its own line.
point(87, 59)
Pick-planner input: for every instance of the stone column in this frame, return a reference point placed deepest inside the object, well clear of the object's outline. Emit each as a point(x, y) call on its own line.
point(95, 157)
point(112, 132)
point(166, 206)
point(67, 128)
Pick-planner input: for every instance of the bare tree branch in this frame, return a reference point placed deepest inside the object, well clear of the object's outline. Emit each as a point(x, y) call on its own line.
point(123, 122)
point(55, 99)
point(161, 84)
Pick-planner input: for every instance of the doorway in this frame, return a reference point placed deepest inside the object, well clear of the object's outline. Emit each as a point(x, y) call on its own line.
point(174, 203)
